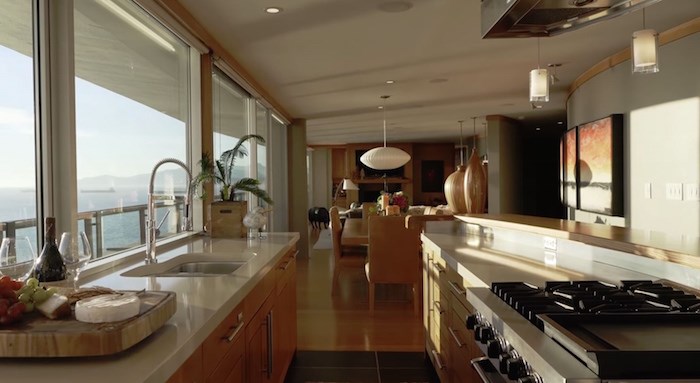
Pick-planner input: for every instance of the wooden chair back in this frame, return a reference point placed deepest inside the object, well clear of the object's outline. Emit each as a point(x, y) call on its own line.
point(366, 207)
point(393, 250)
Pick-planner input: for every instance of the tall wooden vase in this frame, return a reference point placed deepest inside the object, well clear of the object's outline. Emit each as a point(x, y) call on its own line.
point(475, 185)
point(454, 190)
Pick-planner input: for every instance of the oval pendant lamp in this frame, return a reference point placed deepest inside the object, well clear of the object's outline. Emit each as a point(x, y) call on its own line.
point(385, 157)
point(454, 184)
point(475, 182)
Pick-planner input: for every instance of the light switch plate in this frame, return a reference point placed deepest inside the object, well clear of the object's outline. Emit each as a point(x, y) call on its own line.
point(674, 191)
point(647, 190)
point(690, 192)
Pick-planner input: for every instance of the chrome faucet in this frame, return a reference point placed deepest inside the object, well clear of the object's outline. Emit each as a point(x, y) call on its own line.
point(151, 228)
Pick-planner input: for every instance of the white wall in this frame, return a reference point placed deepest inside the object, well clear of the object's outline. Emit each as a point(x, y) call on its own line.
point(661, 133)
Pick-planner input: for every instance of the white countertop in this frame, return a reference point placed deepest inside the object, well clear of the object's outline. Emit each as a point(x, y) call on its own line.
point(202, 303)
point(481, 264)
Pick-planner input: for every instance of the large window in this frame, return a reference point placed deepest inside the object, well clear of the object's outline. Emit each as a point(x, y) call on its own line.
point(262, 128)
point(132, 110)
point(18, 195)
point(231, 116)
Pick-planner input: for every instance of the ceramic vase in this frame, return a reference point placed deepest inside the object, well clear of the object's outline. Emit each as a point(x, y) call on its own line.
point(475, 185)
point(454, 190)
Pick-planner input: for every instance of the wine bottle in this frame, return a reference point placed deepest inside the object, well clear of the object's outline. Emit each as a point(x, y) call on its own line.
point(49, 267)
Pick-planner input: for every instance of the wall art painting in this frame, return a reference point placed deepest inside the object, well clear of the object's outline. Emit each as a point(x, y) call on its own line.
point(567, 178)
point(600, 182)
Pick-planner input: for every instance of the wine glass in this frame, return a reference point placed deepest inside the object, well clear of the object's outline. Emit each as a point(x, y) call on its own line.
point(76, 254)
point(17, 257)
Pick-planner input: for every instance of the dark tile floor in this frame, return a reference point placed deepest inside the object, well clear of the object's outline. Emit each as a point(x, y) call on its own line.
point(360, 367)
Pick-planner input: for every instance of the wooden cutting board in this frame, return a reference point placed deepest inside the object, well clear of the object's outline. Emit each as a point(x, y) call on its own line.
point(38, 336)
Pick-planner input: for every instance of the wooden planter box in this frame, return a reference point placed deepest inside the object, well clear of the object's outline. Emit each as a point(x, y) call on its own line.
point(227, 219)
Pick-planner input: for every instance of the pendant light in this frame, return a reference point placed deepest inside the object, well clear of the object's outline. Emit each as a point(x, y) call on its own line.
point(454, 184)
point(539, 81)
point(645, 46)
point(475, 181)
point(385, 157)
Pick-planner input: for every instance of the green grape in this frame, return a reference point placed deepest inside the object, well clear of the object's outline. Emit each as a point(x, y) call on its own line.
point(28, 307)
point(33, 282)
point(40, 295)
point(25, 289)
point(51, 291)
point(25, 298)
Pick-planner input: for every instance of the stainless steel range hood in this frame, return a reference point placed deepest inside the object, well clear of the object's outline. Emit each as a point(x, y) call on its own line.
point(532, 18)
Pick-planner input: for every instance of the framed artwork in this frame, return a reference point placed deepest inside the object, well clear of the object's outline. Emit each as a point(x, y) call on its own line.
point(432, 176)
point(599, 178)
point(567, 177)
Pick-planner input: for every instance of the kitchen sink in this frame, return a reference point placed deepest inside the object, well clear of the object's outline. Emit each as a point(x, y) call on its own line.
point(204, 268)
point(193, 265)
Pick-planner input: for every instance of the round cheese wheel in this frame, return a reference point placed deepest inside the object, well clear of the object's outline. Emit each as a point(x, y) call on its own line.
point(107, 308)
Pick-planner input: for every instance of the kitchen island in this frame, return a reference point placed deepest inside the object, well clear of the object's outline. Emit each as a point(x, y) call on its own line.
point(468, 263)
point(202, 304)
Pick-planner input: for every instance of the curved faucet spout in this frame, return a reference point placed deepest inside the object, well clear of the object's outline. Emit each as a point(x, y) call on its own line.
point(151, 227)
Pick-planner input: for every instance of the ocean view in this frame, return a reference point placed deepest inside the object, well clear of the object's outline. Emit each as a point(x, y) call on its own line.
point(119, 231)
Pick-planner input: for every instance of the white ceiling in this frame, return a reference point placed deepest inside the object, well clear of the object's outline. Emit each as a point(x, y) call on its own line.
point(327, 61)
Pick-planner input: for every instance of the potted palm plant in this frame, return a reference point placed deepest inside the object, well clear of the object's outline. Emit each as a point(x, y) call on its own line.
point(227, 214)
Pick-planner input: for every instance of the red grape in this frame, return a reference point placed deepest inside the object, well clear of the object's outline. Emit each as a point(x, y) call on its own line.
point(15, 311)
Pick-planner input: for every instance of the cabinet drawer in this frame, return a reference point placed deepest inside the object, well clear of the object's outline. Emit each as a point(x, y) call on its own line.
point(457, 286)
point(285, 269)
point(220, 341)
point(230, 370)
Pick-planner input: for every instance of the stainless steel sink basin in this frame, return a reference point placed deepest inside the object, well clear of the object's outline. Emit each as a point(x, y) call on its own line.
point(204, 268)
point(193, 265)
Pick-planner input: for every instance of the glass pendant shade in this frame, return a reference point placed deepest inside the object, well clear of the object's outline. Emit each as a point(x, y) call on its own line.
point(454, 190)
point(539, 85)
point(385, 158)
point(644, 51)
point(475, 185)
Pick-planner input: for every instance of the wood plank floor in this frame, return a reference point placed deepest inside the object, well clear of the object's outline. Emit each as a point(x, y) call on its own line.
point(343, 322)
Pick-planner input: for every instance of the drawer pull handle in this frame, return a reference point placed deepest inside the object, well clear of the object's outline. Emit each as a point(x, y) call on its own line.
point(285, 266)
point(456, 338)
point(229, 338)
point(438, 267)
point(438, 307)
point(458, 289)
point(440, 366)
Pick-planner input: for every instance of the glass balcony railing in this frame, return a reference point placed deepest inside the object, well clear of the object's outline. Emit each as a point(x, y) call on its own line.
point(109, 231)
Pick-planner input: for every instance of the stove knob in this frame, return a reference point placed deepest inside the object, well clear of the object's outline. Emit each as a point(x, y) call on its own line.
point(472, 321)
point(502, 362)
point(486, 334)
point(534, 378)
point(477, 331)
point(494, 348)
point(515, 368)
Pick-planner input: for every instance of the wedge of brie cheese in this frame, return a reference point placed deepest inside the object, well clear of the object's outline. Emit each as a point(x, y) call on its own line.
point(107, 308)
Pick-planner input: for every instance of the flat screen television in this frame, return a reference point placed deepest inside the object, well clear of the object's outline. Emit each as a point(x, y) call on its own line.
point(374, 173)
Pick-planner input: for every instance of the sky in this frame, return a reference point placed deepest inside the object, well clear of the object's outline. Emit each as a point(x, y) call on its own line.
point(107, 124)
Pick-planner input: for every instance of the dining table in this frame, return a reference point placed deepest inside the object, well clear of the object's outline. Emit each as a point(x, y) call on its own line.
point(355, 232)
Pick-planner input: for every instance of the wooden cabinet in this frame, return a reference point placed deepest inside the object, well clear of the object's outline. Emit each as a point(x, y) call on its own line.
point(285, 324)
point(191, 370)
point(224, 349)
point(257, 340)
point(449, 344)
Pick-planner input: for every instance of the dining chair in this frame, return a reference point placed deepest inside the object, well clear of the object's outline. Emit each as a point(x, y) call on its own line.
point(342, 259)
point(367, 207)
point(393, 256)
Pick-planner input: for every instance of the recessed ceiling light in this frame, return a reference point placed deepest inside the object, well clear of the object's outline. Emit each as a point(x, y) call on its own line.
point(390, 81)
point(437, 80)
point(560, 122)
point(538, 129)
point(273, 10)
point(395, 6)
point(380, 107)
